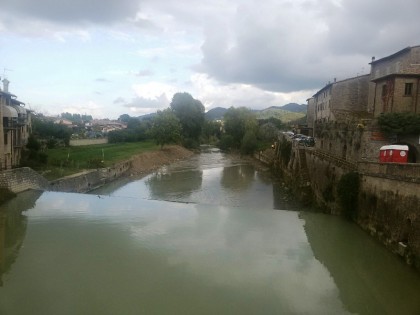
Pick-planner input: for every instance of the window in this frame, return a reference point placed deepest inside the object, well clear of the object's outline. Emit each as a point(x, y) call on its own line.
point(408, 89)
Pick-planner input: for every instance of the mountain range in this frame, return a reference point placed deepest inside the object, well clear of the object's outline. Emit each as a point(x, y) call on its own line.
point(286, 113)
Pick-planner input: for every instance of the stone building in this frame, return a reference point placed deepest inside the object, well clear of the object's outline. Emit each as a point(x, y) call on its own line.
point(341, 100)
point(396, 82)
point(15, 128)
point(344, 112)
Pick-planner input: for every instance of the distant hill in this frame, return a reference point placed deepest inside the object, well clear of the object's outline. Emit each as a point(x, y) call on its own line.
point(294, 107)
point(146, 116)
point(286, 113)
point(279, 113)
point(215, 113)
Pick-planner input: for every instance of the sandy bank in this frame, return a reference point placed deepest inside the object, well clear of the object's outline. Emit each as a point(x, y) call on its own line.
point(147, 162)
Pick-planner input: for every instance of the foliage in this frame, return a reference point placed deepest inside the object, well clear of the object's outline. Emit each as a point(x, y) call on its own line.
point(33, 144)
point(190, 113)
point(166, 128)
point(272, 121)
point(211, 131)
point(76, 118)
point(124, 118)
point(348, 192)
point(43, 129)
point(268, 132)
point(237, 121)
point(226, 142)
point(249, 142)
point(136, 131)
point(399, 123)
point(31, 155)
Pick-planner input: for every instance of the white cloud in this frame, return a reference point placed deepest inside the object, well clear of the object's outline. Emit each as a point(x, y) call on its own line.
point(213, 94)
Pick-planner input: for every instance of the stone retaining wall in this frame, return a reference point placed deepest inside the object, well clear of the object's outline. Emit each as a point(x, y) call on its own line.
point(89, 180)
point(21, 179)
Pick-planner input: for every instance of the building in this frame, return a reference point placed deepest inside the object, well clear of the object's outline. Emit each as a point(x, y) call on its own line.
point(396, 80)
point(340, 100)
point(15, 128)
point(342, 109)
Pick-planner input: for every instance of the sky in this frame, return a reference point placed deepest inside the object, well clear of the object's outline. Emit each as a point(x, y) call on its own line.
point(106, 58)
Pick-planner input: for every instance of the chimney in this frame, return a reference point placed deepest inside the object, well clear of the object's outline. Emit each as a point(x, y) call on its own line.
point(373, 58)
point(335, 80)
point(6, 85)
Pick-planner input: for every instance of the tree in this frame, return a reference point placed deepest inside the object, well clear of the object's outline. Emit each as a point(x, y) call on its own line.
point(190, 113)
point(237, 121)
point(124, 118)
point(166, 128)
point(399, 123)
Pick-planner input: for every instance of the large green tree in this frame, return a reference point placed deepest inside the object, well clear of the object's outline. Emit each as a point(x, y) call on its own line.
point(190, 113)
point(237, 122)
point(166, 128)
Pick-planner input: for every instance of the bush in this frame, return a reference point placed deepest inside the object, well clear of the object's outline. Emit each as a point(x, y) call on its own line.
point(249, 143)
point(226, 143)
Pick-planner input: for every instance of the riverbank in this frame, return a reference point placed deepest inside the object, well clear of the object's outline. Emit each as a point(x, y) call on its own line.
point(145, 163)
point(138, 166)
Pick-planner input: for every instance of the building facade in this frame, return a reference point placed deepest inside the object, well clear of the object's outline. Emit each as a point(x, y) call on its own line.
point(15, 128)
point(340, 100)
point(396, 82)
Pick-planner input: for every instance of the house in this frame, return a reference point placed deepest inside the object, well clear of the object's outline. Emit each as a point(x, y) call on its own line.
point(340, 100)
point(396, 80)
point(340, 110)
point(15, 128)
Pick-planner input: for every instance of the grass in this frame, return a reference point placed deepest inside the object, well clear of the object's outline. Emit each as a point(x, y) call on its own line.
point(68, 161)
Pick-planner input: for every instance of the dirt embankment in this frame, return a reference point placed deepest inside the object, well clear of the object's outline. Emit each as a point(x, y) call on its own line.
point(147, 162)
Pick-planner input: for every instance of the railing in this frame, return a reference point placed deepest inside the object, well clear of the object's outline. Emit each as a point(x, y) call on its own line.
point(333, 158)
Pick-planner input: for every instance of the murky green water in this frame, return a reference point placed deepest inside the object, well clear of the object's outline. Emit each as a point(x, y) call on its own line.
point(199, 237)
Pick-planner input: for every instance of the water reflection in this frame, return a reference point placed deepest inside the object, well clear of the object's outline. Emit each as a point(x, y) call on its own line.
point(178, 185)
point(13, 228)
point(237, 177)
point(363, 270)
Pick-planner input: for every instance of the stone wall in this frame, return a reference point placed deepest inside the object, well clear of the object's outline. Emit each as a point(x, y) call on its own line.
point(388, 200)
point(21, 179)
point(89, 180)
point(389, 209)
point(80, 142)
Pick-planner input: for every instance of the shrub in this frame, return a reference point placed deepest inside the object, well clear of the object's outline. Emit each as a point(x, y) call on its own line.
point(226, 142)
point(249, 143)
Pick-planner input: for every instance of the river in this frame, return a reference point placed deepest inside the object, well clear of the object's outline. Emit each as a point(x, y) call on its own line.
point(208, 235)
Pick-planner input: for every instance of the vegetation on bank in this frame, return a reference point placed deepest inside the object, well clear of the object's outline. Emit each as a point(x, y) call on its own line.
point(183, 122)
point(399, 123)
point(65, 161)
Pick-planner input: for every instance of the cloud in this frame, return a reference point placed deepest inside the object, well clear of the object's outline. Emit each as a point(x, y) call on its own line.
point(144, 73)
point(213, 94)
point(289, 46)
point(72, 12)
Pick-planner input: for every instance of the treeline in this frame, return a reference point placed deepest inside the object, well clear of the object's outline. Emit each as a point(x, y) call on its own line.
point(184, 122)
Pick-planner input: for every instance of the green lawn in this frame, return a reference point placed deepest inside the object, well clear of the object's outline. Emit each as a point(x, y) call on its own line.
point(67, 161)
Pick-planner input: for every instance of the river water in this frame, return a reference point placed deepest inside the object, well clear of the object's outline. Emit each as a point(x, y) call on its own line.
point(210, 235)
